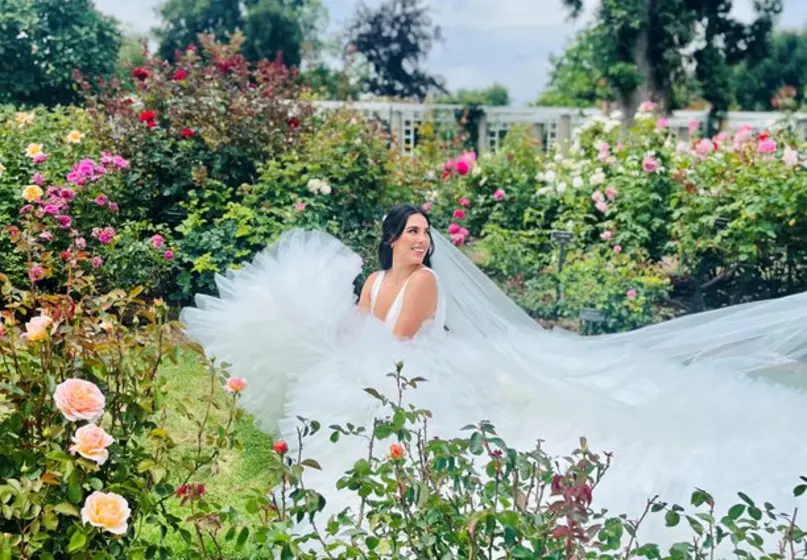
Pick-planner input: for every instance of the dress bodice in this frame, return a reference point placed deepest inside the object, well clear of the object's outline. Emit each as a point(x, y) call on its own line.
point(433, 325)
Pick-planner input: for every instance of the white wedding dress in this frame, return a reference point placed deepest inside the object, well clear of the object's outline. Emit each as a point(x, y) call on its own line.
point(682, 405)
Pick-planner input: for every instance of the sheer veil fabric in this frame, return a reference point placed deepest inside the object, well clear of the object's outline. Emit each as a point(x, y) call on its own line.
point(712, 400)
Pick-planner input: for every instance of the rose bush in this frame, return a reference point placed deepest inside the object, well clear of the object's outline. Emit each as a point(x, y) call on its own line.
point(709, 222)
point(84, 459)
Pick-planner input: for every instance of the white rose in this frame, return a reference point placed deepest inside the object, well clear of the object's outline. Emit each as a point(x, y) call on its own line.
point(577, 182)
point(597, 179)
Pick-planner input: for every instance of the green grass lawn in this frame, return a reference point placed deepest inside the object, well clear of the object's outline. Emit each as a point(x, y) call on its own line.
point(236, 473)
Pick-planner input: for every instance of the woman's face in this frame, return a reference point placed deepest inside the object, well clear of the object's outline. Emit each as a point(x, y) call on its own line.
point(413, 244)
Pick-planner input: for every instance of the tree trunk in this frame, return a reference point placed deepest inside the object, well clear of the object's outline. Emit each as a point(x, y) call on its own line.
point(649, 89)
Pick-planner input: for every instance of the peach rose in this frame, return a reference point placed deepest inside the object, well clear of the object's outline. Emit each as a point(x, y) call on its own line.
point(32, 193)
point(396, 451)
point(236, 385)
point(91, 442)
point(107, 511)
point(37, 328)
point(79, 400)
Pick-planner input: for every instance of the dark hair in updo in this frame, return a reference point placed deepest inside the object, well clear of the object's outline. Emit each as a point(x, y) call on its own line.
point(392, 228)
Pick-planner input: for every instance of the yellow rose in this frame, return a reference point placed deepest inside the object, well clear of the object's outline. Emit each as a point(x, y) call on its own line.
point(32, 193)
point(37, 328)
point(24, 118)
point(33, 150)
point(74, 137)
point(108, 511)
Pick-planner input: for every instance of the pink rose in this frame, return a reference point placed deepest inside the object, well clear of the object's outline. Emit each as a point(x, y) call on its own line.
point(91, 442)
point(36, 273)
point(596, 196)
point(601, 206)
point(617, 248)
point(300, 206)
point(453, 228)
point(38, 179)
point(663, 123)
point(64, 221)
point(101, 200)
point(107, 511)
point(81, 243)
point(78, 399)
point(46, 236)
point(449, 166)
point(463, 168)
point(51, 209)
point(650, 164)
point(790, 157)
point(113, 207)
point(236, 385)
point(40, 158)
point(120, 162)
point(67, 194)
point(767, 146)
point(457, 239)
point(462, 201)
point(704, 147)
point(647, 107)
point(610, 192)
point(97, 262)
point(169, 255)
point(631, 294)
point(606, 235)
point(106, 158)
point(427, 207)
point(157, 241)
point(26, 209)
point(459, 214)
point(498, 195)
point(693, 126)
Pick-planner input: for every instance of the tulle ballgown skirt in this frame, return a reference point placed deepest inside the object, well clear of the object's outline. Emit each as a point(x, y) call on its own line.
point(287, 323)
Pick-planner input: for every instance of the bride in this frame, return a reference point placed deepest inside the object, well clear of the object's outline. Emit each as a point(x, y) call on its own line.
point(712, 400)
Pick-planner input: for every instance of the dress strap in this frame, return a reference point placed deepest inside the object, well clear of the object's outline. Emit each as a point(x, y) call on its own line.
point(376, 287)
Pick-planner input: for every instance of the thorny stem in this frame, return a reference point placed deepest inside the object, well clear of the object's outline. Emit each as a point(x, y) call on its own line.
point(370, 450)
point(635, 531)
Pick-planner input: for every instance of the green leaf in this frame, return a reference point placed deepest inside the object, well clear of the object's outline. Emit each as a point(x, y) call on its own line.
point(672, 518)
point(736, 511)
point(799, 490)
point(66, 508)
point(312, 464)
point(476, 444)
point(74, 487)
point(77, 542)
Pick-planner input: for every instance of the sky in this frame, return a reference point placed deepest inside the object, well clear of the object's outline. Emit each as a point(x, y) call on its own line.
point(485, 41)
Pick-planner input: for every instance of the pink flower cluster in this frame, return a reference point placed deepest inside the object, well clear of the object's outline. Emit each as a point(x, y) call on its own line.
point(461, 166)
point(158, 242)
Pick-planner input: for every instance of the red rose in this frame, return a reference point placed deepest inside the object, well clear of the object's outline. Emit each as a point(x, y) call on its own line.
point(281, 447)
point(147, 116)
point(180, 75)
point(187, 132)
point(294, 122)
point(140, 73)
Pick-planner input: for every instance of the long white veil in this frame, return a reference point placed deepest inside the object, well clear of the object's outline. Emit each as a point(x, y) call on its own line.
point(765, 337)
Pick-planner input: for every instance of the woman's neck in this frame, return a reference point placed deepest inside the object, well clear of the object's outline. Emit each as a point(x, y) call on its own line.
point(399, 273)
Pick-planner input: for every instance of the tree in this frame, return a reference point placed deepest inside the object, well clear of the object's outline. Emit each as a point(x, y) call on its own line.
point(271, 28)
point(650, 42)
point(42, 43)
point(394, 40)
point(756, 83)
point(576, 79)
point(495, 95)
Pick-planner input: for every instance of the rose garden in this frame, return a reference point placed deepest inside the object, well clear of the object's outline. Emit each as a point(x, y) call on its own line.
point(118, 439)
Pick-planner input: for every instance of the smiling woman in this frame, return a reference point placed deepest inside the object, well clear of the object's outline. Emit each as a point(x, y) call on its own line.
point(403, 294)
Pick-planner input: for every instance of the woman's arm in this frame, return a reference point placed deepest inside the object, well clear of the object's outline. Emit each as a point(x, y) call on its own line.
point(419, 304)
point(366, 290)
